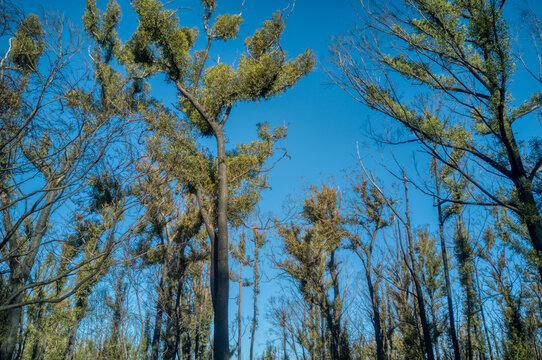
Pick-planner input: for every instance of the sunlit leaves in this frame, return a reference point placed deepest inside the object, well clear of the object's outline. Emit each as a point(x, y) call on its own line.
point(227, 26)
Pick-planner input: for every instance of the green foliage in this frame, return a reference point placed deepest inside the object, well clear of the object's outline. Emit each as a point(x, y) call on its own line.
point(27, 46)
point(310, 251)
point(227, 26)
point(106, 192)
point(471, 301)
point(311, 261)
point(159, 26)
point(407, 338)
point(267, 38)
point(430, 263)
point(101, 27)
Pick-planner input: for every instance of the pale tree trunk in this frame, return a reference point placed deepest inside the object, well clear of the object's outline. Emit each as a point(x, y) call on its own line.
point(484, 323)
point(373, 296)
point(160, 302)
point(375, 305)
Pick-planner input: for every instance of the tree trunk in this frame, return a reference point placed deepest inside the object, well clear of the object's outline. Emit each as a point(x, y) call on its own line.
point(449, 299)
point(170, 351)
point(11, 322)
point(255, 303)
point(220, 261)
point(528, 210)
point(239, 324)
point(161, 300)
point(38, 347)
point(434, 316)
point(484, 323)
point(375, 305)
point(68, 355)
point(20, 272)
point(174, 311)
point(464, 254)
point(333, 318)
point(530, 216)
point(157, 331)
point(374, 298)
point(428, 344)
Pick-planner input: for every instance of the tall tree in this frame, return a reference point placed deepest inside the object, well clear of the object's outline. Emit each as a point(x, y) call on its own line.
point(369, 213)
point(160, 45)
point(312, 261)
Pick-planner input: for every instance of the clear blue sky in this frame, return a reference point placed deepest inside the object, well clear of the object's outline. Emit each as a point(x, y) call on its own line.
point(323, 122)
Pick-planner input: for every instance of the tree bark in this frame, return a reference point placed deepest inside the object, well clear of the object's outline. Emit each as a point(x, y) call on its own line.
point(173, 327)
point(528, 210)
point(374, 298)
point(12, 321)
point(161, 301)
point(530, 216)
point(375, 305)
point(220, 258)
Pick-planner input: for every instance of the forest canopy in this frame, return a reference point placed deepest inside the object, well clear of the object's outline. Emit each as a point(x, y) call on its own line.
point(140, 147)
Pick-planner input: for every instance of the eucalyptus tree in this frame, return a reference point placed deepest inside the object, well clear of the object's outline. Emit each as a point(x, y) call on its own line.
point(208, 94)
point(472, 305)
point(433, 282)
point(517, 332)
point(459, 57)
point(368, 211)
point(311, 259)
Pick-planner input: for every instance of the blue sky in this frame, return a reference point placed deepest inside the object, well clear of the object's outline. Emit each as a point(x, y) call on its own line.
point(323, 122)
